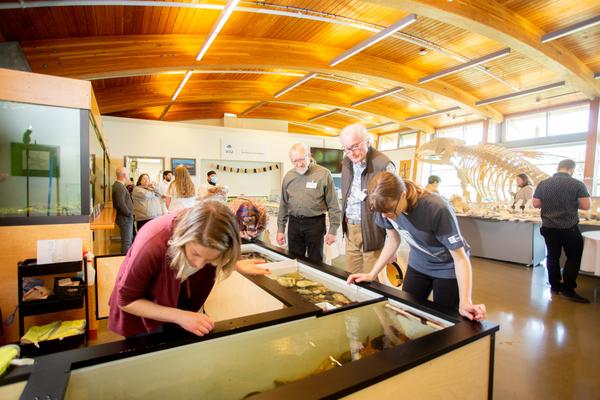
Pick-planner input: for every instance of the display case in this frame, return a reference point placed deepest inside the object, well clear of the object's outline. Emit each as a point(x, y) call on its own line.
point(42, 148)
point(512, 241)
point(379, 344)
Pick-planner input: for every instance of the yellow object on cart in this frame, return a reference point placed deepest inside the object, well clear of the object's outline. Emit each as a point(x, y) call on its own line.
point(7, 353)
point(53, 330)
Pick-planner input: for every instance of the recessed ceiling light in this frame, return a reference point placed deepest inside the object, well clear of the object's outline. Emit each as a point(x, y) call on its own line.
point(423, 52)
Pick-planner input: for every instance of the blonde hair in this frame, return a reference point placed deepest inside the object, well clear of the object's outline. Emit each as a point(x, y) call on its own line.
point(210, 224)
point(183, 185)
point(385, 188)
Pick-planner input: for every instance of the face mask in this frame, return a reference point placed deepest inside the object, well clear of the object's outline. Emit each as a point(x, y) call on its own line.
point(213, 180)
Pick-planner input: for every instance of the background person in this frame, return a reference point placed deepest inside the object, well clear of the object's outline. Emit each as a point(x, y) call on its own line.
point(364, 238)
point(209, 185)
point(438, 259)
point(433, 184)
point(146, 201)
point(171, 269)
point(181, 193)
point(559, 198)
point(251, 217)
point(307, 192)
point(163, 189)
point(123, 204)
point(524, 191)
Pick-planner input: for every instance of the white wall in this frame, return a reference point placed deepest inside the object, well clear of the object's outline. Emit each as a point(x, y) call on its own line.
point(407, 153)
point(127, 136)
point(251, 184)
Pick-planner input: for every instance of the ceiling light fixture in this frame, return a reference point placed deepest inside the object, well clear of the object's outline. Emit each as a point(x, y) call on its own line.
point(377, 96)
point(431, 114)
point(322, 115)
point(381, 125)
point(468, 64)
point(181, 85)
point(588, 23)
point(293, 85)
point(520, 94)
point(423, 51)
point(390, 30)
point(223, 17)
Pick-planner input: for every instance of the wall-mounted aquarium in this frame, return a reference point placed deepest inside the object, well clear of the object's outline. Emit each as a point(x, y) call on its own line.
point(41, 151)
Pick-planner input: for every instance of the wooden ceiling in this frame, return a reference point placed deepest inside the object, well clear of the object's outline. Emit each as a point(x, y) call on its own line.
point(136, 54)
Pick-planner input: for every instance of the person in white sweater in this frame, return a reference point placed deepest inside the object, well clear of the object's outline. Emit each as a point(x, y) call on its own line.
point(182, 192)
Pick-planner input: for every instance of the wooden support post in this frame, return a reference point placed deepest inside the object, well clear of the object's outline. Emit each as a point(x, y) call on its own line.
point(486, 127)
point(415, 161)
point(589, 165)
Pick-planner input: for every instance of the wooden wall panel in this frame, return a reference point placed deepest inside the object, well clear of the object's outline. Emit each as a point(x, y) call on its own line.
point(20, 242)
point(27, 87)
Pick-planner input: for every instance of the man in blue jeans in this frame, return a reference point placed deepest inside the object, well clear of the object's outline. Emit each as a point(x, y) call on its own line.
point(560, 197)
point(124, 205)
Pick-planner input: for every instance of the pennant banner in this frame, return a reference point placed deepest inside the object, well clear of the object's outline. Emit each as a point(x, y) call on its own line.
point(266, 168)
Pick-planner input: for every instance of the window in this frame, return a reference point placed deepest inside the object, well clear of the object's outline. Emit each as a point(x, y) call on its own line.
point(450, 183)
point(408, 140)
point(470, 133)
point(452, 132)
point(388, 142)
point(551, 156)
point(492, 138)
point(551, 123)
point(568, 120)
point(526, 127)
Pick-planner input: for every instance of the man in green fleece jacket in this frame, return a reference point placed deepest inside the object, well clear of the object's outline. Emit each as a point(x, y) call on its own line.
point(307, 193)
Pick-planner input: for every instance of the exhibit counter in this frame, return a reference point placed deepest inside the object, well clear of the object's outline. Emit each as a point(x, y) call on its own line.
point(321, 338)
point(517, 241)
point(511, 241)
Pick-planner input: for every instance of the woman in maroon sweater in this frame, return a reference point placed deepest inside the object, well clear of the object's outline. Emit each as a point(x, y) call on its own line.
point(171, 268)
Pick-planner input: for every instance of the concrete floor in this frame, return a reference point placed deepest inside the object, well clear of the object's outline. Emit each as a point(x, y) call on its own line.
point(547, 346)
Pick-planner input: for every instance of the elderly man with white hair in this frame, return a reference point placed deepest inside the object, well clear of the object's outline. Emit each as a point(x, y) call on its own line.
point(364, 239)
point(124, 205)
point(307, 193)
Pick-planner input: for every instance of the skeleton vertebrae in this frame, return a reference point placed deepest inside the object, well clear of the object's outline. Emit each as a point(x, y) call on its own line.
point(489, 168)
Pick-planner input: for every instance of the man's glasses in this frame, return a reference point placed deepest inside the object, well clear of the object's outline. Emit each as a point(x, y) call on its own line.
point(353, 148)
point(298, 160)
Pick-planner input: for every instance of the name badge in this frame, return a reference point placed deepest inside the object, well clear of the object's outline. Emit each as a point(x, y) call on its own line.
point(362, 196)
point(311, 185)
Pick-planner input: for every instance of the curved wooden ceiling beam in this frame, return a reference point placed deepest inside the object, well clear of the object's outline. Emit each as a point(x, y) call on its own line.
point(122, 98)
point(106, 56)
point(495, 21)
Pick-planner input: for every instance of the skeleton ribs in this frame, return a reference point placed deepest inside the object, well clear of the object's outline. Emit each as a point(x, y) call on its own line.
point(490, 169)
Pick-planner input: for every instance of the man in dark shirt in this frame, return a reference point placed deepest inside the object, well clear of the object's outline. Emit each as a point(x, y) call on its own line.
point(560, 197)
point(124, 206)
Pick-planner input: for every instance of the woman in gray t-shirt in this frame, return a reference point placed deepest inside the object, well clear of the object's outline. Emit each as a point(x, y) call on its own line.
point(438, 259)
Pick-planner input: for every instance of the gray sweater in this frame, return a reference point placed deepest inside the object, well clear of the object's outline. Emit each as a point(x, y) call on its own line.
point(146, 203)
point(309, 195)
